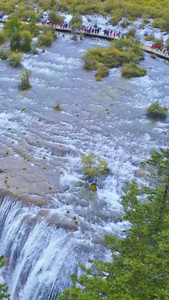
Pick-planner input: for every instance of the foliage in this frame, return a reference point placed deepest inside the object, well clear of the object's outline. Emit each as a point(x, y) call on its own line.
point(158, 42)
point(76, 21)
point(120, 52)
point(26, 39)
point(54, 17)
point(125, 24)
point(25, 83)
point(139, 266)
point(156, 111)
point(13, 30)
point(32, 27)
point(4, 53)
point(34, 51)
point(2, 37)
point(45, 40)
point(94, 167)
point(57, 107)
point(15, 59)
point(131, 32)
point(149, 38)
point(102, 71)
point(3, 286)
point(132, 70)
point(74, 38)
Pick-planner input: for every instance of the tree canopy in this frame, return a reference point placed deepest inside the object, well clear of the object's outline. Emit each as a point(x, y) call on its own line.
point(140, 266)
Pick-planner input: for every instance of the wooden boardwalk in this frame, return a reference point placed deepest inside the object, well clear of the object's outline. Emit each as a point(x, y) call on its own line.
point(156, 52)
point(103, 36)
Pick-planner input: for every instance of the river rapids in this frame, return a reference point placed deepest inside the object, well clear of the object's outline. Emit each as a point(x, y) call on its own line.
point(40, 161)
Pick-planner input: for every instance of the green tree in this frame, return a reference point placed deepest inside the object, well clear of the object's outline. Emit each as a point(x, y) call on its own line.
point(2, 37)
point(140, 265)
point(26, 39)
point(13, 30)
point(25, 83)
point(54, 17)
point(3, 286)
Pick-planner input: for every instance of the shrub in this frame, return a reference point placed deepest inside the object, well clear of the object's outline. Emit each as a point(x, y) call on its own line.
point(57, 107)
point(2, 37)
point(14, 59)
point(74, 38)
point(76, 21)
point(131, 32)
point(25, 83)
point(125, 24)
point(155, 111)
point(102, 59)
point(45, 40)
point(4, 53)
point(158, 42)
point(115, 20)
point(149, 38)
point(34, 51)
point(94, 167)
point(55, 17)
point(132, 70)
point(90, 63)
point(102, 71)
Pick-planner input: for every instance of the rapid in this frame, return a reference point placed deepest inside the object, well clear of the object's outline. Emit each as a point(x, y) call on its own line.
point(41, 173)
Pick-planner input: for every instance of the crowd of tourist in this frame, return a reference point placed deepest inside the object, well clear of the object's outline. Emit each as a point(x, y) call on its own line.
point(163, 49)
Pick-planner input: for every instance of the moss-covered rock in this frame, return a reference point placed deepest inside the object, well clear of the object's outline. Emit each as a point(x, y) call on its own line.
point(57, 107)
point(74, 38)
point(155, 111)
point(93, 187)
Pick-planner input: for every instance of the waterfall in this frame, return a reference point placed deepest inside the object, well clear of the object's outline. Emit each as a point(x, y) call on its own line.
point(40, 258)
point(41, 254)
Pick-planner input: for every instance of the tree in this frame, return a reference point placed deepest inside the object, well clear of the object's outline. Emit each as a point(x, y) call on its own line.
point(54, 17)
point(3, 286)
point(13, 30)
point(140, 267)
point(25, 83)
point(2, 37)
point(26, 39)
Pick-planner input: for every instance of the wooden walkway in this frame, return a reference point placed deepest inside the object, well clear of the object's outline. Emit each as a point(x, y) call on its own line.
point(103, 36)
point(156, 52)
point(107, 37)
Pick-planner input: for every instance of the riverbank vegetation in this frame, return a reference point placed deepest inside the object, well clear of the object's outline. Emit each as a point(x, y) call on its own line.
point(3, 286)
point(131, 10)
point(120, 52)
point(139, 265)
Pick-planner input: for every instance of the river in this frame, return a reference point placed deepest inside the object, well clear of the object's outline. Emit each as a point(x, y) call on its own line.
point(40, 157)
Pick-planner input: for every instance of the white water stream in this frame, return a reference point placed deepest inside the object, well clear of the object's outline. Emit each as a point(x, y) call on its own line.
point(40, 157)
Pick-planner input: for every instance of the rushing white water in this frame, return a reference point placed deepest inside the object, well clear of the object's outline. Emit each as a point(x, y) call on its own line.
point(40, 158)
